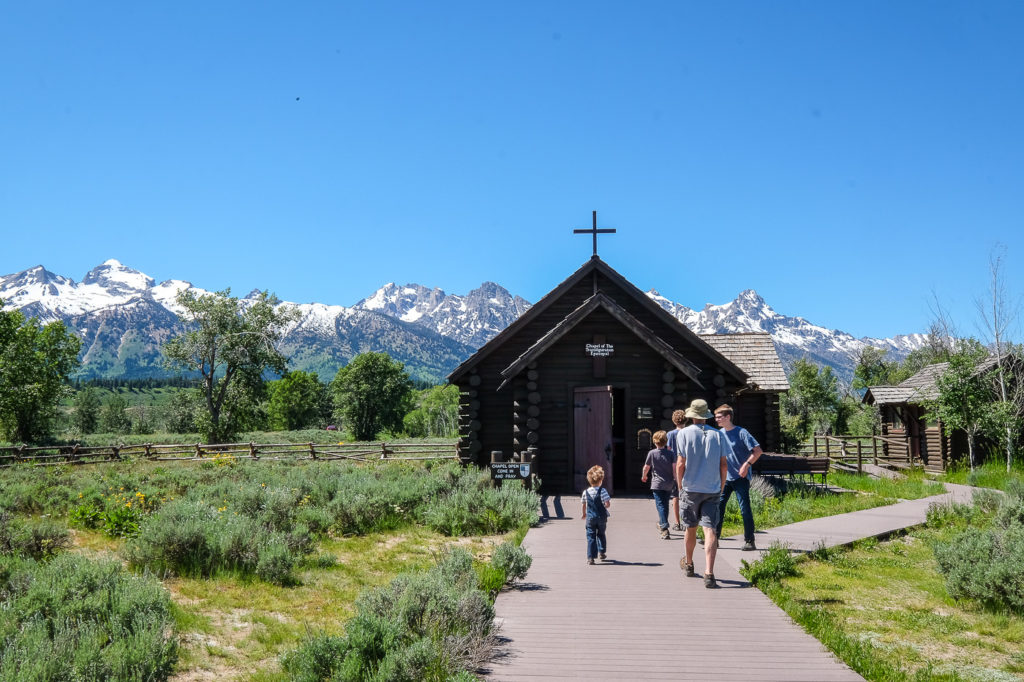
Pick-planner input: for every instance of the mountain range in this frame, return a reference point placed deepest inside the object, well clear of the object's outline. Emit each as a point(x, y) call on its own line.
point(123, 317)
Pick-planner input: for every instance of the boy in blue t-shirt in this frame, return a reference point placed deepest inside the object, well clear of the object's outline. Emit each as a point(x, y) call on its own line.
point(596, 503)
point(745, 451)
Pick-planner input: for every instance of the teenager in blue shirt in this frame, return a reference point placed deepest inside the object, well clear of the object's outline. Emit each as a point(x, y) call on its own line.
point(745, 451)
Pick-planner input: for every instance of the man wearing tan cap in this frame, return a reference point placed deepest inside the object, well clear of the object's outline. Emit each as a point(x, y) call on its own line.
point(701, 453)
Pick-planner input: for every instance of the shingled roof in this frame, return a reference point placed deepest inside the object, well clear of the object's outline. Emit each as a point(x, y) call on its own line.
point(887, 395)
point(918, 388)
point(755, 354)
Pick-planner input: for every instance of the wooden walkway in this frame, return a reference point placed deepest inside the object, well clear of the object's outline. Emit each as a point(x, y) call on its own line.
point(637, 617)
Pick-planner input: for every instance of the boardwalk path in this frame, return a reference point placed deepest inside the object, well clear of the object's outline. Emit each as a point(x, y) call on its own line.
point(636, 617)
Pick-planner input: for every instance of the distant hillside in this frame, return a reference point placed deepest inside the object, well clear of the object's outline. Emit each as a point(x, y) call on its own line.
point(124, 316)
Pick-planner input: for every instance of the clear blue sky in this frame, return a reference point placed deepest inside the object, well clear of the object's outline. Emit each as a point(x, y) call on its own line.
point(845, 159)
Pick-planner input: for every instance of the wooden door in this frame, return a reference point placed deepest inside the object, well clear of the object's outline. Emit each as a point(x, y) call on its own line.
point(592, 432)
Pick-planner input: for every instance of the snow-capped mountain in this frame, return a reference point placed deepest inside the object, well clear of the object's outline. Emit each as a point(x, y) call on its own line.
point(124, 316)
point(794, 337)
point(473, 319)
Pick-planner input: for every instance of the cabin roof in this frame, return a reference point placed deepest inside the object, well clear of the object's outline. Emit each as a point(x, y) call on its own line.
point(600, 300)
point(755, 354)
point(886, 395)
point(918, 388)
point(596, 264)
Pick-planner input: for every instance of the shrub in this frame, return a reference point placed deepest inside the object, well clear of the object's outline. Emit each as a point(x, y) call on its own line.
point(473, 507)
point(188, 537)
point(987, 564)
point(77, 619)
point(433, 625)
point(776, 564)
point(513, 560)
point(276, 563)
point(36, 539)
point(121, 521)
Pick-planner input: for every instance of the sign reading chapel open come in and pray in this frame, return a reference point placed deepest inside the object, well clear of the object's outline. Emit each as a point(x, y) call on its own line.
point(600, 350)
point(510, 471)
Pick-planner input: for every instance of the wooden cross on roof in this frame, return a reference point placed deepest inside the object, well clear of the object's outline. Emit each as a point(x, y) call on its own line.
point(594, 231)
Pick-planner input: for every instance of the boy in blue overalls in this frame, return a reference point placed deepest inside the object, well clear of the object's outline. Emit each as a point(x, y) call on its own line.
point(596, 503)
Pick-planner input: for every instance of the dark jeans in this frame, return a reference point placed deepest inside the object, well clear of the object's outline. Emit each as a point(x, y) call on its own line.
point(661, 498)
point(741, 487)
point(596, 541)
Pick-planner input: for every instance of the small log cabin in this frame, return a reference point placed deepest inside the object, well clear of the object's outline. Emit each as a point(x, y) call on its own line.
point(592, 370)
point(904, 419)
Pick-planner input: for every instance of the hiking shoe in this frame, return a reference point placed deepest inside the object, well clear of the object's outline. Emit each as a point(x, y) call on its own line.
point(678, 527)
point(590, 562)
point(665, 534)
point(602, 556)
point(709, 581)
point(749, 546)
point(687, 568)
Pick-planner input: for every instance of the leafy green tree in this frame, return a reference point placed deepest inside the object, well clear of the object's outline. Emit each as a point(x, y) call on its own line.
point(143, 422)
point(371, 393)
point(812, 402)
point(87, 410)
point(296, 401)
point(182, 410)
point(114, 417)
point(436, 413)
point(872, 368)
point(35, 363)
point(965, 398)
point(231, 344)
point(859, 419)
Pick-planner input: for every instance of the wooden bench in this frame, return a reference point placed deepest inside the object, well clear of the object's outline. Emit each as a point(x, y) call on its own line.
point(792, 466)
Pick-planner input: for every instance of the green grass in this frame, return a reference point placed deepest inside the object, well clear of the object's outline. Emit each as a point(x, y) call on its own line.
point(991, 474)
point(800, 502)
point(883, 608)
point(914, 485)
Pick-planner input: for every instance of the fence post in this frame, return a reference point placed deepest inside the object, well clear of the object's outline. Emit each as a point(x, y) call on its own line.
point(383, 449)
point(531, 457)
point(828, 447)
point(21, 453)
point(199, 452)
point(860, 455)
point(149, 455)
point(252, 450)
point(496, 456)
point(312, 451)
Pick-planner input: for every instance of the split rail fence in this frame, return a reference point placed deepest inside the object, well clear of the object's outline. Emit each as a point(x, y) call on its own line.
point(854, 451)
point(362, 452)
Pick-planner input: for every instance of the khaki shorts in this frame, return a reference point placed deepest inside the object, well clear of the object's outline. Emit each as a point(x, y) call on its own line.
point(699, 509)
